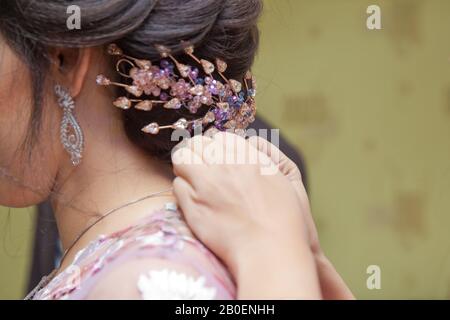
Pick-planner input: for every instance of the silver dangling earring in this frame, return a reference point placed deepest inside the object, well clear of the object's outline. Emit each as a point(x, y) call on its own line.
point(71, 135)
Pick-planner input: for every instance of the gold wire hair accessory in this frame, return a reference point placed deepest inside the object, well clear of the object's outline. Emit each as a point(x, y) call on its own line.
point(173, 85)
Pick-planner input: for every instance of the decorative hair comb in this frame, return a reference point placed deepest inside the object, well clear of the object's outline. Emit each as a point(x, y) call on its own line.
point(231, 103)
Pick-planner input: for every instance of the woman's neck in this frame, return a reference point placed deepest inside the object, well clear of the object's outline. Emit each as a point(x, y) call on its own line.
point(113, 172)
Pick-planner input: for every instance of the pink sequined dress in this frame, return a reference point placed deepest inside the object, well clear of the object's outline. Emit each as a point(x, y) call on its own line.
point(157, 258)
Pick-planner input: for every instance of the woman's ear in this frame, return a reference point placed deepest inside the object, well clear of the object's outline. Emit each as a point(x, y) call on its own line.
point(72, 66)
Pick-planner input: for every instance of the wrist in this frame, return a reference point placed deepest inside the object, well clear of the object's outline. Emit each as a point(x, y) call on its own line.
point(280, 269)
point(265, 250)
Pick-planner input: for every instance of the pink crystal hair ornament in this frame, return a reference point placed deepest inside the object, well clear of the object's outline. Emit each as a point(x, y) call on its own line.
point(172, 85)
point(70, 131)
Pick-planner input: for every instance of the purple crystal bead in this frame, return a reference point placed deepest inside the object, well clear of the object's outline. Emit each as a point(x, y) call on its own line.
point(233, 101)
point(194, 73)
point(219, 126)
point(164, 64)
point(221, 115)
point(213, 89)
point(164, 96)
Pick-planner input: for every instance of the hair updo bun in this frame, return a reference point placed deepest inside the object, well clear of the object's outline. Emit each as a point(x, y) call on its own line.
point(225, 29)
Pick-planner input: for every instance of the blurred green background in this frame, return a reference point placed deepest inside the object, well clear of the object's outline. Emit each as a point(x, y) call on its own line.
point(370, 110)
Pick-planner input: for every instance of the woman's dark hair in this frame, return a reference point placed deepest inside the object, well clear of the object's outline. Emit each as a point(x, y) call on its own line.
point(225, 29)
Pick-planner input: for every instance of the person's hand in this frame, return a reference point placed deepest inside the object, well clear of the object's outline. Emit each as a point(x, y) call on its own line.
point(232, 207)
point(290, 170)
point(333, 287)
